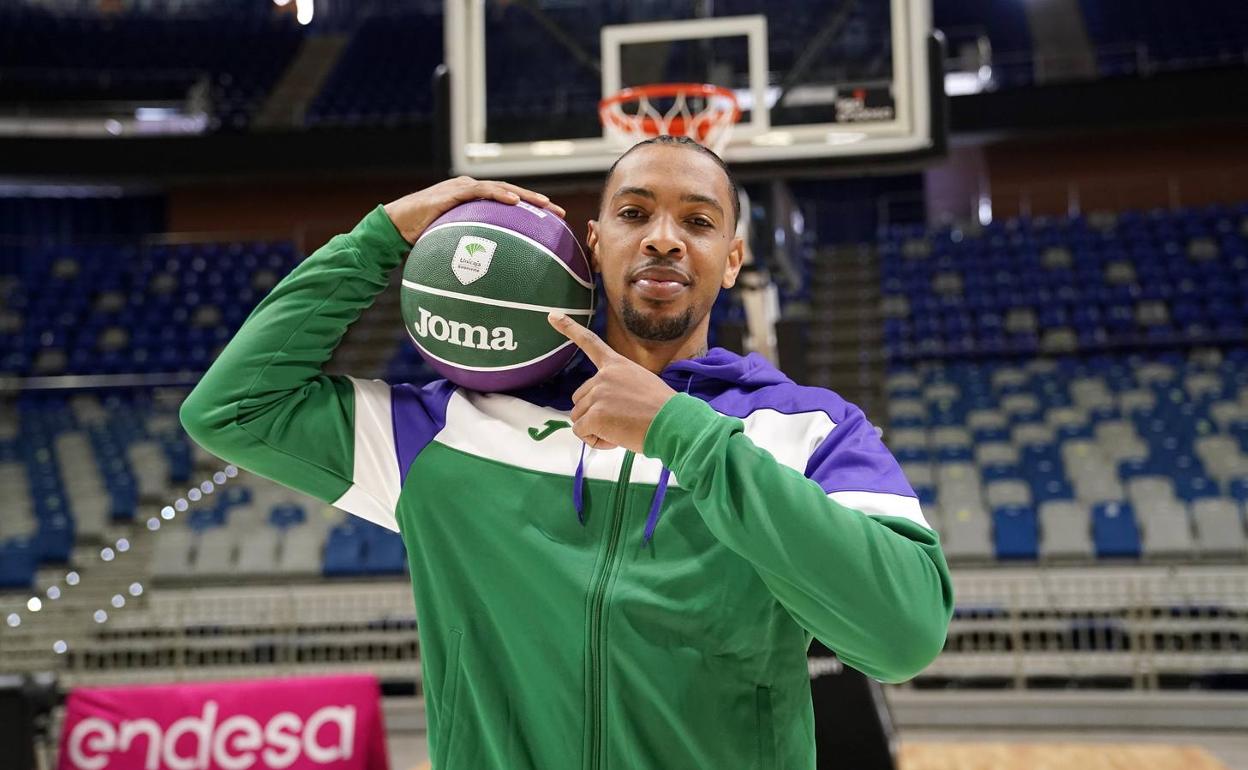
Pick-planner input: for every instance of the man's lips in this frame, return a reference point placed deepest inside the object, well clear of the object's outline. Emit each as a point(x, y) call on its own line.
point(662, 274)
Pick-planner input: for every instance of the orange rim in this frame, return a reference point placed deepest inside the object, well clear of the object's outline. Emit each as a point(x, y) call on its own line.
point(702, 123)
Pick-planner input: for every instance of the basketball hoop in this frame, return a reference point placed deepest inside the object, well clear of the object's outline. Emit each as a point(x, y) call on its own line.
point(702, 112)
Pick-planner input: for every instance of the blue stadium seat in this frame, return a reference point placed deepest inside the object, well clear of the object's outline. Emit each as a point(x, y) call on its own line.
point(385, 554)
point(19, 559)
point(287, 515)
point(344, 551)
point(1015, 532)
point(1115, 534)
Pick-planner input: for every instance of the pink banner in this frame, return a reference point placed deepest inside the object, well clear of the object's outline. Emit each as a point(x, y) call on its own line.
point(313, 723)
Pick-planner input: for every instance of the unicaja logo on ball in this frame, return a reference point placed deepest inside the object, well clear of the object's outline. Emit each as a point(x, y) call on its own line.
point(463, 334)
point(472, 258)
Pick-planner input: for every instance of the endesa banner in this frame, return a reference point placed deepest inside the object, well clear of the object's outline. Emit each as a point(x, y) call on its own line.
point(312, 723)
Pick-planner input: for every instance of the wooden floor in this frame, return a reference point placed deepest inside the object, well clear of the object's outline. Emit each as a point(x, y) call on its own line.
point(1054, 756)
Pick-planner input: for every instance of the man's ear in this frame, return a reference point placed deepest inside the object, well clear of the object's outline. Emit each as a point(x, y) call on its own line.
point(735, 259)
point(591, 239)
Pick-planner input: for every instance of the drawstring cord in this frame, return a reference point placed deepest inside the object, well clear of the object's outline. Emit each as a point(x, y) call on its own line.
point(656, 502)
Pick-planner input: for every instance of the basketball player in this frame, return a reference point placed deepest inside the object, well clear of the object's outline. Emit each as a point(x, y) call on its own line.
point(623, 567)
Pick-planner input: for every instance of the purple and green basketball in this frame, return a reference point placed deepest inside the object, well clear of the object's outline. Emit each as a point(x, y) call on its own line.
point(478, 285)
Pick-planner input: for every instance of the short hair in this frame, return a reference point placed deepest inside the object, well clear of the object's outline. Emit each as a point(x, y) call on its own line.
point(684, 141)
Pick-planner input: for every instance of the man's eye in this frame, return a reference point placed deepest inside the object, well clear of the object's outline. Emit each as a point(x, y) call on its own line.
point(630, 213)
point(702, 222)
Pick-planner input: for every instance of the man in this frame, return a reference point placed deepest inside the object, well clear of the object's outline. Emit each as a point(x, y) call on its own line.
point(623, 567)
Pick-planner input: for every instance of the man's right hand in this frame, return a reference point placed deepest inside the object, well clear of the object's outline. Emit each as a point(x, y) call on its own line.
point(411, 214)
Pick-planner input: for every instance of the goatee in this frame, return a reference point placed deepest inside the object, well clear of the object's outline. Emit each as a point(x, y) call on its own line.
point(655, 329)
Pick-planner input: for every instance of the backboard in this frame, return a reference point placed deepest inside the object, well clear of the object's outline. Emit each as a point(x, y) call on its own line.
point(821, 81)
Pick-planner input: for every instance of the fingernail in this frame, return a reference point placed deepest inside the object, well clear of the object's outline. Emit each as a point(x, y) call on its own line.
point(556, 317)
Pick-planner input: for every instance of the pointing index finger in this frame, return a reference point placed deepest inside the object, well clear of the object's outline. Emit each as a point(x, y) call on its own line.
point(597, 350)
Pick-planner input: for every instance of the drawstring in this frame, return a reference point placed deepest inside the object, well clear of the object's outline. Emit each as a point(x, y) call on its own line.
point(656, 503)
point(578, 487)
point(652, 520)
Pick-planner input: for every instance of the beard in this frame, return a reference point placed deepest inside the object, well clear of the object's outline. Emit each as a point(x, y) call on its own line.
point(645, 327)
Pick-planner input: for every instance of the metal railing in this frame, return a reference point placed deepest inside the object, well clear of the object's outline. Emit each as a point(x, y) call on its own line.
point(1140, 628)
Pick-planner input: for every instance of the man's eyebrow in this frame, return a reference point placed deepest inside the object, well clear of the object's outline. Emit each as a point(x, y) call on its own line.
point(644, 192)
point(708, 200)
point(639, 191)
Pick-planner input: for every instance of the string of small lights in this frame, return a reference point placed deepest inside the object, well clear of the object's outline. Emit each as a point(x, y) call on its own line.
point(110, 553)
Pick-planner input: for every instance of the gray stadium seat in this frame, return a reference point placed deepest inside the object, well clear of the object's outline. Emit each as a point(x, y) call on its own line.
point(172, 554)
point(151, 469)
point(258, 552)
point(1095, 488)
point(1020, 403)
point(1080, 451)
point(1219, 527)
point(214, 553)
point(1029, 434)
point(1202, 384)
point(966, 533)
point(1065, 530)
point(1090, 393)
point(906, 438)
point(1041, 366)
point(1224, 413)
point(1139, 399)
point(919, 474)
point(950, 436)
point(1115, 432)
point(1221, 457)
point(1154, 372)
point(958, 480)
point(1143, 490)
point(996, 453)
point(906, 408)
point(941, 391)
point(904, 381)
point(1009, 376)
point(1166, 536)
point(986, 419)
point(300, 551)
point(1066, 415)
point(1010, 492)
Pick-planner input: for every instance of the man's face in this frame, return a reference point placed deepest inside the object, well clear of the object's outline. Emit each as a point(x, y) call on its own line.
point(665, 241)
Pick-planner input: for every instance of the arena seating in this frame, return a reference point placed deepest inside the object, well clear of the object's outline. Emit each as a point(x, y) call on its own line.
point(385, 73)
point(1074, 388)
point(1002, 22)
point(1086, 284)
point(49, 57)
point(105, 308)
point(87, 464)
point(1109, 457)
point(1136, 38)
point(64, 218)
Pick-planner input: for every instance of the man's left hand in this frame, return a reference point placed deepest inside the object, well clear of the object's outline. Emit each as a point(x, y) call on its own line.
point(616, 406)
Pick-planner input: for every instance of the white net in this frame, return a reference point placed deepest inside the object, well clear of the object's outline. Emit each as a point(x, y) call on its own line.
point(703, 113)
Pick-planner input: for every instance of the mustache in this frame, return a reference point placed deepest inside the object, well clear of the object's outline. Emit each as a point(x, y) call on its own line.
point(660, 264)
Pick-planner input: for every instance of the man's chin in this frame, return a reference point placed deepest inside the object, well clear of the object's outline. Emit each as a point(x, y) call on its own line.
point(663, 323)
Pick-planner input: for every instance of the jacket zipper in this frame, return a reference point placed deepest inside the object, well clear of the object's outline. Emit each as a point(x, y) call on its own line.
point(597, 641)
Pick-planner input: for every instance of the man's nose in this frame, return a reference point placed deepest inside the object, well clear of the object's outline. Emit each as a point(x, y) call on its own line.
point(664, 239)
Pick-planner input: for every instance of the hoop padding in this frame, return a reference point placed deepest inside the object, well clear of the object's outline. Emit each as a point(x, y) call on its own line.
point(710, 125)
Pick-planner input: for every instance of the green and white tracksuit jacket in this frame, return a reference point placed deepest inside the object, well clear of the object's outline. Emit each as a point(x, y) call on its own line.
point(664, 624)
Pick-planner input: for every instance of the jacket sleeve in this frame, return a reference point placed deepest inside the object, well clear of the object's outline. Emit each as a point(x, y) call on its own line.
point(859, 569)
point(266, 406)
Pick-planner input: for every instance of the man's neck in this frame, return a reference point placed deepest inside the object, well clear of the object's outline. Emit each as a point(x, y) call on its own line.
point(655, 356)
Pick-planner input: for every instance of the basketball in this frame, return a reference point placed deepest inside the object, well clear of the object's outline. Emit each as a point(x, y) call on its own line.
point(477, 288)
